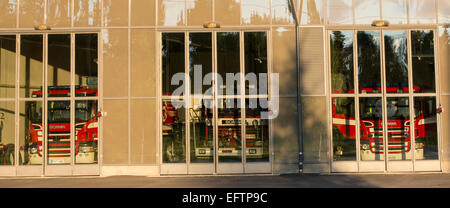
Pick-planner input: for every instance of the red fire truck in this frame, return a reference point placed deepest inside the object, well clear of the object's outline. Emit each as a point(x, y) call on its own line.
point(229, 132)
point(398, 129)
point(58, 116)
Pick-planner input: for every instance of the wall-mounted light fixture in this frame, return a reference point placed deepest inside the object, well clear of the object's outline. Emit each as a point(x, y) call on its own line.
point(211, 25)
point(42, 27)
point(380, 23)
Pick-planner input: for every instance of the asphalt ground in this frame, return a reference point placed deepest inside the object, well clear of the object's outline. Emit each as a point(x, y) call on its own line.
point(429, 180)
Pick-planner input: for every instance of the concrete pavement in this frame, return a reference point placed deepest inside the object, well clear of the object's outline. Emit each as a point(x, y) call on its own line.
point(429, 180)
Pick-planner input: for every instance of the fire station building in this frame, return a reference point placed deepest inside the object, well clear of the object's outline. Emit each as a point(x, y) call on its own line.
point(161, 87)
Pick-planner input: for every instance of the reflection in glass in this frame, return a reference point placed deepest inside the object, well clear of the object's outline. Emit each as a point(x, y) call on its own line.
point(444, 11)
point(200, 61)
point(172, 60)
point(171, 12)
point(229, 134)
point(422, 46)
point(201, 130)
point(7, 132)
point(8, 12)
point(174, 132)
point(58, 133)
point(425, 121)
point(31, 65)
point(369, 71)
point(256, 12)
point(398, 128)
point(86, 64)
point(58, 69)
point(396, 60)
point(31, 132)
point(86, 132)
point(394, 11)
point(228, 61)
point(341, 46)
point(281, 13)
point(422, 12)
point(371, 128)
point(7, 66)
point(255, 44)
point(256, 131)
point(344, 145)
point(339, 12)
point(366, 11)
point(312, 12)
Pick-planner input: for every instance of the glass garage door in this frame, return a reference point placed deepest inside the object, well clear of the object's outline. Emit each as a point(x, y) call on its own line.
point(384, 101)
point(51, 91)
point(211, 126)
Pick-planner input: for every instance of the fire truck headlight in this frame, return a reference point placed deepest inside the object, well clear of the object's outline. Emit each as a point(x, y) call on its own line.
point(419, 145)
point(93, 125)
point(365, 146)
point(33, 150)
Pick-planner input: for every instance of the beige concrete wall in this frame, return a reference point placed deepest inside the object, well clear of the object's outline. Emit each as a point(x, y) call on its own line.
point(444, 65)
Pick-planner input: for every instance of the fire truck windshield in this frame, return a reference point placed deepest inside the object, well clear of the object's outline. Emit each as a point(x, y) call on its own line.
point(59, 111)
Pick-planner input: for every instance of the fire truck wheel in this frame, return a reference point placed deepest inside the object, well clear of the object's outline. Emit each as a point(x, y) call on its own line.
point(9, 156)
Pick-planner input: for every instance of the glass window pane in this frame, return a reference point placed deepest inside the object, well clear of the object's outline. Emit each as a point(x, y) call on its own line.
point(31, 132)
point(425, 121)
point(115, 62)
point(339, 12)
point(143, 68)
point(87, 13)
point(369, 71)
point(58, 133)
point(59, 13)
point(201, 130)
point(115, 14)
point(58, 69)
point(256, 130)
point(371, 128)
point(444, 11)
point(366, 11)
point(7, 132)
point(422, 44)
point(344, 131)
point(143, 13)
point(199, 12)
point(7, 66)
point(200, 61)
point(31, 65)
point(86, 132)
point(341, 46)
point(312, 12)
point(256, 12)
point(422, 11)
point(172, 60)
point(86, 64)
point(227, 12)
point(394, 11)
point(255, 44)
point(171, 12)
point(228, 61)
point(174, 132)
point(281, 13)
point(398, 128)
point(396, 61)
point(229, 133)
point(31, 13)
point(8, 13)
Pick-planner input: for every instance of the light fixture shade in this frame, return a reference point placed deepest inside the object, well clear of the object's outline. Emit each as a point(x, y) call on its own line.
point(380, 23)
point(42, 27)
point(211, 25)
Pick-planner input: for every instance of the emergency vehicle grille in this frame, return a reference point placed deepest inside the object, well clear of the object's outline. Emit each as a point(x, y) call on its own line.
point(59, 145)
